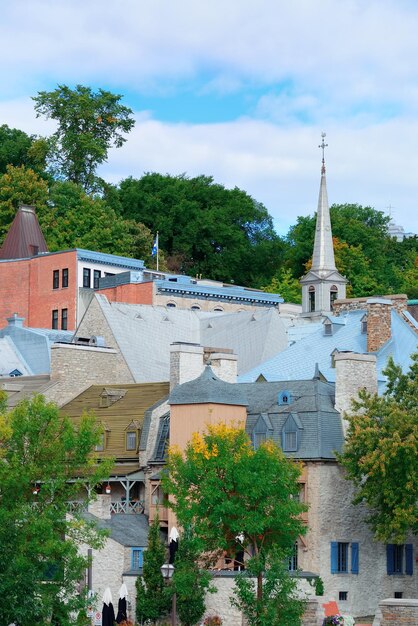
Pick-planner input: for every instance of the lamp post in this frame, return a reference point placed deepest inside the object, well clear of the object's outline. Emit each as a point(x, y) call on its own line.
point(167, 571)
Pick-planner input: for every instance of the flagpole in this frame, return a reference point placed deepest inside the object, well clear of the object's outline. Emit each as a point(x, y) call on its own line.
point(158, 245)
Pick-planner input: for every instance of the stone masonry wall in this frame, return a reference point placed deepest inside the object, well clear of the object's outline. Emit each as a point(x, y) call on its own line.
point(76, 367)
point(398, 613)
point(353, 372)
point(333, 517)
point(398, 301)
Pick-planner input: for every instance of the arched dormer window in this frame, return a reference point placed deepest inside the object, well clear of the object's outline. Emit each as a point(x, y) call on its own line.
point(311, 296)
point(284, 397)
point(195, 307)
point(333, 294)
point(171, 305)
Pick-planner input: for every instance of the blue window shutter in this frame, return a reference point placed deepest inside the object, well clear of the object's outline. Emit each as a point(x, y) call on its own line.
point(409, 567)
point(389, 558)
point(334, 557)
point(354, 558)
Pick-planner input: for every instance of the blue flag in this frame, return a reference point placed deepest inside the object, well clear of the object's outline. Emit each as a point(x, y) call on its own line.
point(155, 246)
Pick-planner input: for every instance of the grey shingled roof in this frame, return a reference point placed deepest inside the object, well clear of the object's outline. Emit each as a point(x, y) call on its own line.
point(208, 388)
point(128, 530)
point(312, 406)
point(144, 334)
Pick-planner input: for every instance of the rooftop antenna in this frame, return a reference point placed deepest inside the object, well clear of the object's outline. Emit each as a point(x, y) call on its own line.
point(323, 145)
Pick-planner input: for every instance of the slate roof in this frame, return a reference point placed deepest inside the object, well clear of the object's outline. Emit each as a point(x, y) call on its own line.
point(144, 334)
point(208, 388)
point(311, 406)
point(109, 259)
point(298, 361)
point(230, 293)
point(128, 530)
point(31, 346)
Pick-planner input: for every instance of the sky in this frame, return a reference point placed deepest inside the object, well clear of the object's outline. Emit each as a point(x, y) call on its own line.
point(237, 89)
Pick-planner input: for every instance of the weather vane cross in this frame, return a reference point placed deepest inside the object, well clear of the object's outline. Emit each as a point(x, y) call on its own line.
point(323, 145)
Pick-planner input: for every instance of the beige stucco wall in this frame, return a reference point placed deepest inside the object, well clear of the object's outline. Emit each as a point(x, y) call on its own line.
point(186, 419)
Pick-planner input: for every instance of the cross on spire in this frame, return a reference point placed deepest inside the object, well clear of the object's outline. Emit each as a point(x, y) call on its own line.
point(323, 145)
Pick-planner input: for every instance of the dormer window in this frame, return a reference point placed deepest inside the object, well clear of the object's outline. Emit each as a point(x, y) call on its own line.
point(103, 439)
point(327, 328)
point(364, 325)
point(333, 353)
point(109, 396)
point(285, 397)
point(261, 431)
point(290, 433)
point(131, 437)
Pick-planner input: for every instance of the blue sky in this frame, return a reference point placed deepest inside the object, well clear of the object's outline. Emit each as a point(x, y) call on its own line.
point(239, 90)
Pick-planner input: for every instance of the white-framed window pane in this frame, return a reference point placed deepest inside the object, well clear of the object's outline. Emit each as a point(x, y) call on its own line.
point(131, 440)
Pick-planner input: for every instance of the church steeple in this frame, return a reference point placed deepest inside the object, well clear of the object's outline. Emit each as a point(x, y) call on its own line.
point(323, 283)
point(323, 252)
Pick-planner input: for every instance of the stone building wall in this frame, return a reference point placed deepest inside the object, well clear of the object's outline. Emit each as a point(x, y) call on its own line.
point(399, 302)
point(333, 517)
point(75, 367)
point(394, 612)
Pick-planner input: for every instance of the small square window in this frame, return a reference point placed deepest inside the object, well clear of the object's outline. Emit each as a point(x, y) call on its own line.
point(343, 596)
point(64, 319)
point(55, 279)
point(131, 440)
point(65, 277)
point(55, 319)
point(398, 595)
point(86, 277)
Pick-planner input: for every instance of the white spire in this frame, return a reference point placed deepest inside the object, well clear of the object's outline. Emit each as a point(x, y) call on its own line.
point(323, 252)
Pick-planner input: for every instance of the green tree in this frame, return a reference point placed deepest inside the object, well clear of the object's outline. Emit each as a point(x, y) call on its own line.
point(89, 123)
point(381, 451)
point(204, 228)
point(280, 603)
point(237, 498)
point(77, 219)
point(190, 581)
point(152, 599)
point(286, 285)
point(19, 149)
point(44, 462)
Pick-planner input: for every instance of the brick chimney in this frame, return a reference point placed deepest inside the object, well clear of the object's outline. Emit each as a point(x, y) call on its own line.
point(353, 373)
point(186, 362)
point(378, 323)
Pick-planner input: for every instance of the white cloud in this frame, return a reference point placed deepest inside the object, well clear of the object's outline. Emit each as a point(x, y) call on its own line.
point(348, 67)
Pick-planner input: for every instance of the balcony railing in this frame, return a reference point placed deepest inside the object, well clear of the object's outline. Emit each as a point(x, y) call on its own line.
point(132, 507)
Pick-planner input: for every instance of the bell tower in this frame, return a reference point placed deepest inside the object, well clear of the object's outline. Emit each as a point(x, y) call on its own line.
point(323, 283)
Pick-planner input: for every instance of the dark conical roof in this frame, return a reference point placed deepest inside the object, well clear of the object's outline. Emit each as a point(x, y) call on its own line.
point(25, 238)
point(208, 388)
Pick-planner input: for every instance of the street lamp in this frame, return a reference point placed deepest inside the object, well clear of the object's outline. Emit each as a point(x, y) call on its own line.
point(167, 571)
